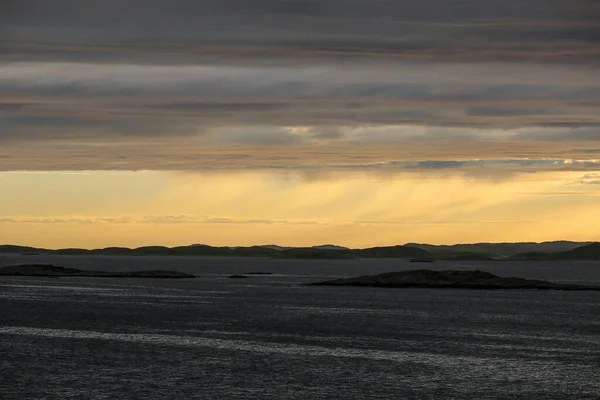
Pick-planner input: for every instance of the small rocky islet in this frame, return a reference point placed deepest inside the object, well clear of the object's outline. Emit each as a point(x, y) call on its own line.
point(449, 279)
point(258, 273)
point(54, 271)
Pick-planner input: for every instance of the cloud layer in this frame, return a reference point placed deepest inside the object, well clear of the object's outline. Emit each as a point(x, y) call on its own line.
point(291, 31)
point(81, 101)
point(326, 84)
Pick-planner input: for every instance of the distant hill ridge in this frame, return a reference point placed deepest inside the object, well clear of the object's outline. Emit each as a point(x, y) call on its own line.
point(588, 252)
point(322, 251)
point(559, 250)
point(504, 249)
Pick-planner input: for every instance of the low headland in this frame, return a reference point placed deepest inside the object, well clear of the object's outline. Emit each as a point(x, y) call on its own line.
point(449, 279)
point(54, 271)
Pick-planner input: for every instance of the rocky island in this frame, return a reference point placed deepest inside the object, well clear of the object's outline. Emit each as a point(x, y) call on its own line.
point(258, 273)
point(56, 271)
point(449, 279)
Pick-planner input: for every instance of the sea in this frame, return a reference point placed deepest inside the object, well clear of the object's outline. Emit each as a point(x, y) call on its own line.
point(271, 337)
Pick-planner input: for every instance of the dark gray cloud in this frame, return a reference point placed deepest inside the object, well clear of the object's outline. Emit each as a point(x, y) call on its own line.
point(584, 151)
point(52, 100)
point(562, 132)
point(431, 164)
point(225, 107)
point(492, 163)
point(499, 111)
point(23, 126)
point(7, 107)
point(168, 79)
point(234, 31)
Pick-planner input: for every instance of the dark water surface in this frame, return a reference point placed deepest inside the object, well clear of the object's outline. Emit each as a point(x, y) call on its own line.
point(267, 337)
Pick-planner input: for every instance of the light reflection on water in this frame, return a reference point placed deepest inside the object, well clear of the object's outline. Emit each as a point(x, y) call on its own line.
point(269, 337)
point(432, 359)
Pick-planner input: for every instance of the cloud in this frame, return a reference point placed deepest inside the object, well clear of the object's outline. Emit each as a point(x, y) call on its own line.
point(74, 101)
point(317, 132)
point(586, 151)
point(146, 219)
point(494, 111)
point(212, 220)
point(292, 31)
point(561, 133)
point(587, 179)
point(233, 149)
point(520, 165)
point(189, 85)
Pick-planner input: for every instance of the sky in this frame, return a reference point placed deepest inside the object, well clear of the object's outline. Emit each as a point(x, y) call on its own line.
point(298, 122)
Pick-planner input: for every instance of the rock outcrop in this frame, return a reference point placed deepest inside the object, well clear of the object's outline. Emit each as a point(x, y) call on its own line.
point(450, 279)
point(56, 271)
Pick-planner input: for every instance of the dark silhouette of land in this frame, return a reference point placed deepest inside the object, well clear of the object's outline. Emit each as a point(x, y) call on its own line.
point(545, 251)
point(423, 278)
point(258, 273)
point(56, 271)
point(502, 249)
point(587, 252)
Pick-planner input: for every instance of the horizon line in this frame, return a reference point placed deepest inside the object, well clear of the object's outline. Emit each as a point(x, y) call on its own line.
point(409, 244)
